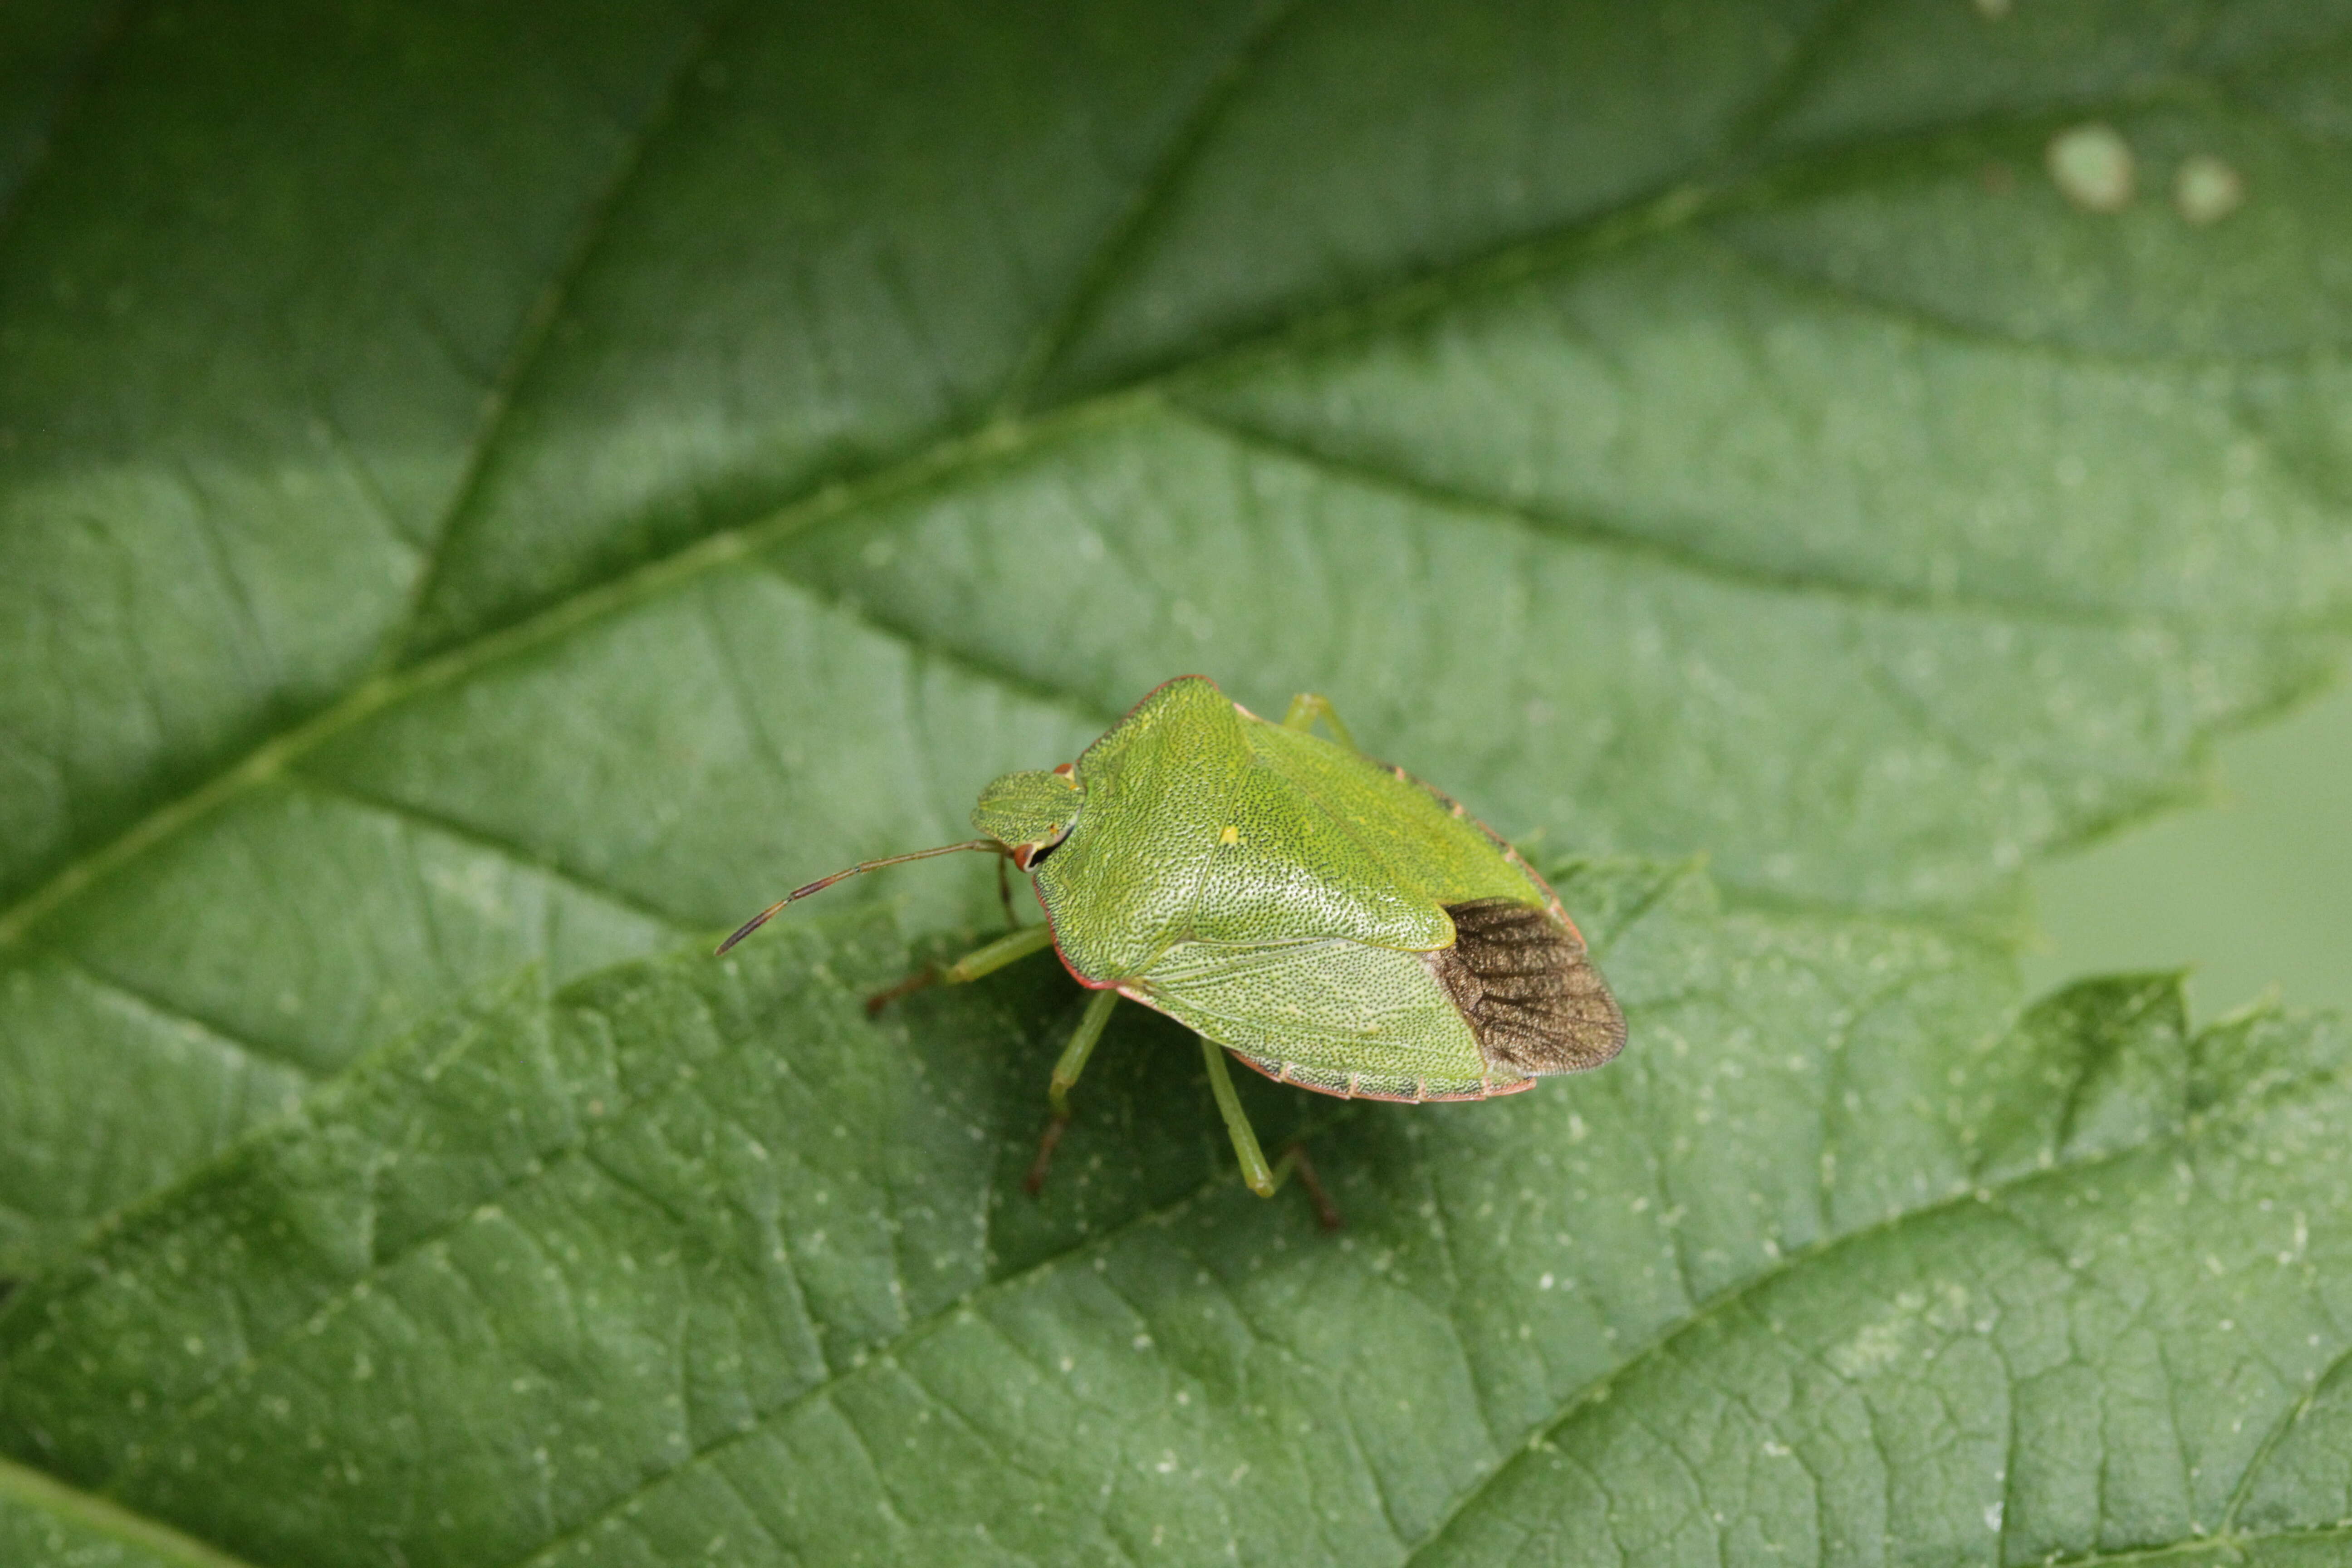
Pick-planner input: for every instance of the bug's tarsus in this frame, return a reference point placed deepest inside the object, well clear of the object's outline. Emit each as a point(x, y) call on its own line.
point(1035, 1182)
point(920, 980)
point(1295, 1163)
point(1073, 1062)
point(1308, 706)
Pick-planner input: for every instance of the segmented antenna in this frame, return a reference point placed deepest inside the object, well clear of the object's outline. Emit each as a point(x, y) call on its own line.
point(821, 883)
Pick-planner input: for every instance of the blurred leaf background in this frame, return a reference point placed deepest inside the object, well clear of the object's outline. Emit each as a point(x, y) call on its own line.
point(489, 494)
point(2251, 891)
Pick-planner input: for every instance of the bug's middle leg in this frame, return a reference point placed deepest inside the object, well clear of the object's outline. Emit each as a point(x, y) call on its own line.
point(1309, 706)
point(1066, 1075)
point(1265, 1180)
point(1004, 892)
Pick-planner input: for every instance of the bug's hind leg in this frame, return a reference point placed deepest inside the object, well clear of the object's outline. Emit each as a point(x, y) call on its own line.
point(1066, 1075)
point(1309, 706)
point(980, 960)
point(1263, 1180)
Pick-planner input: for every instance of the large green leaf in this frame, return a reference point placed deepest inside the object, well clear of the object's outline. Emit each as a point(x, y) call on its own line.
point(480, 490)
point(488, 492)
point(697, 1262)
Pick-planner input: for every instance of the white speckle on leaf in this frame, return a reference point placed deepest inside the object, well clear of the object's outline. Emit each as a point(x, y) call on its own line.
point(2092, 166)
point(2205, 190)
point(1876, 1345)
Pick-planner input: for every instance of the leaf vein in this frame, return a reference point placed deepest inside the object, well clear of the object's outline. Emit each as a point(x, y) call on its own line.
point(537, 330)
point(166, 1011)
point(103, 1516)
point(505, 848)
point(881, 1355)
point(1740, 1297)
point(1589, 529)
point(1149, 200)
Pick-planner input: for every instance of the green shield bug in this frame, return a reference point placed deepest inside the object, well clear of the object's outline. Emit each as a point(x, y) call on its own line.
point(1329, 919)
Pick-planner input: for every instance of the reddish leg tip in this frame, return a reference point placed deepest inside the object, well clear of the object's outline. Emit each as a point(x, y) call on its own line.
point(1327, 1213)
point(1035, 1182)
point(881, 999)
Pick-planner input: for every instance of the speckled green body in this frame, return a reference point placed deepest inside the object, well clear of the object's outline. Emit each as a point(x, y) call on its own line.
point(1279, 894)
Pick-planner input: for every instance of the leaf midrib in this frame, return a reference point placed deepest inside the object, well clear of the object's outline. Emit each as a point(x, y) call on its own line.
point(1668, 205)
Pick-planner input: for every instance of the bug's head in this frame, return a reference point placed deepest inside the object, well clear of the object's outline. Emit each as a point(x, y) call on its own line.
point(1029, 813)
point(1022, 815)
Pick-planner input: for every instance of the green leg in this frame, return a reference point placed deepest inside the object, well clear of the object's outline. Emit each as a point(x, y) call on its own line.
point(980, 960)
point(1263, 1180)
point(1066, 1073)
point(1081, 1046)
point(1309, 706)
point(1004, 949)
point(1004, 892)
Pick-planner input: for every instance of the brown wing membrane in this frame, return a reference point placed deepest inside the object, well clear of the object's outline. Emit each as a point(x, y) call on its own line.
point(1534, 1002)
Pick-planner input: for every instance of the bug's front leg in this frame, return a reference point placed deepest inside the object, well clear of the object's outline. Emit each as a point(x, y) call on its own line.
point(980, 960)
point(1263, 1180)
point(1309, 706)
point(1066, 1076)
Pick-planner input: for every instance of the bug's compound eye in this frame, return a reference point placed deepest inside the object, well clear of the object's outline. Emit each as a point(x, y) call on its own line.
point(1029, 856)
point(1029, 813)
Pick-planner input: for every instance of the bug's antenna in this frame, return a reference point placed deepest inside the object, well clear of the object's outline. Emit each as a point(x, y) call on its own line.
point(821, 883)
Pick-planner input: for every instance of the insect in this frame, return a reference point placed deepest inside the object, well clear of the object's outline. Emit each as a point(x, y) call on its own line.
point(1329, 919)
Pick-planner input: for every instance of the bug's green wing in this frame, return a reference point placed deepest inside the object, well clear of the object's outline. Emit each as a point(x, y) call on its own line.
point(1510, 996)
point(1339, 1017)
point(1423, 842)
point(1189, 835)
